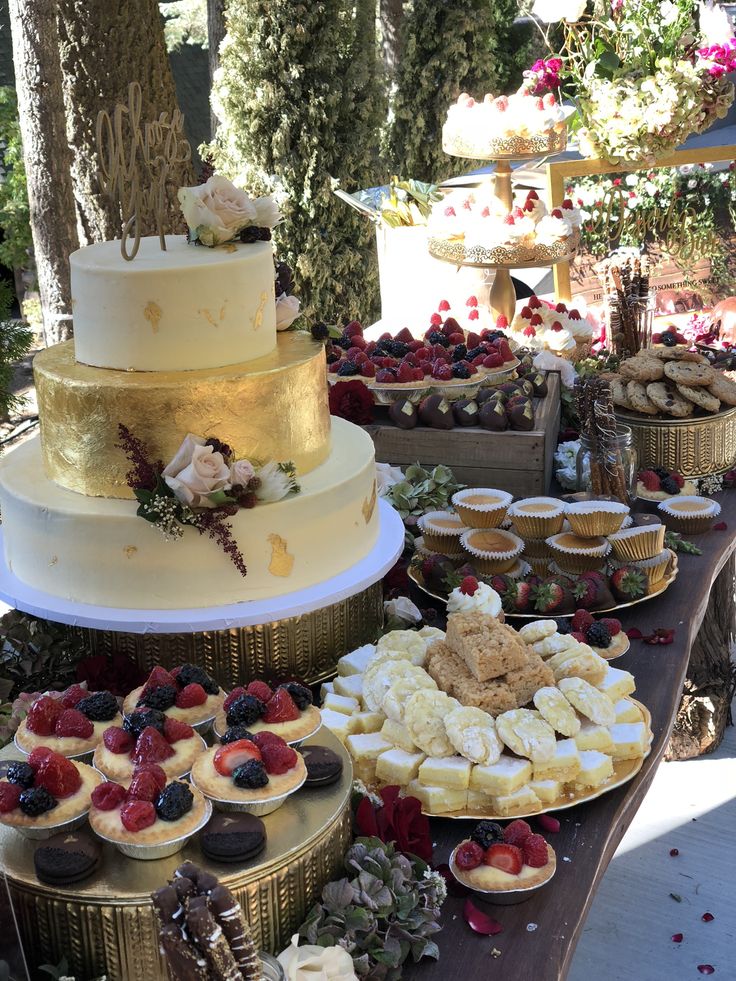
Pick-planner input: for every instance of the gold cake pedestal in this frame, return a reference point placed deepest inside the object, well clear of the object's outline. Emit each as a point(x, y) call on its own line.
point(106, 924)
point(695, 447)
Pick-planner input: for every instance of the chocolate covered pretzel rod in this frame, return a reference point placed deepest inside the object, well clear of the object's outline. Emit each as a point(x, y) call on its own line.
point(228, 913)
point(208, 936)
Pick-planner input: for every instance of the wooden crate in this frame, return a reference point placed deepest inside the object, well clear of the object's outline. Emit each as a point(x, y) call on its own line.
point(517, 462)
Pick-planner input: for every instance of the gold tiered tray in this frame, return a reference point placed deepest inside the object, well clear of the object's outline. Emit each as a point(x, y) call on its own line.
point(106, 924)
point(503, 257)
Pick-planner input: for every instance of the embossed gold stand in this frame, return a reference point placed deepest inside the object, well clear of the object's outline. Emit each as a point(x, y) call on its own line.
point(106, 924)
point(695, 447)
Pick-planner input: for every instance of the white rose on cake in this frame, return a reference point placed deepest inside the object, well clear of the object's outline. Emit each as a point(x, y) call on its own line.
point(241, 473)
point(267, 212)
point(216, 210)
point(287, 310)
point(196, 472)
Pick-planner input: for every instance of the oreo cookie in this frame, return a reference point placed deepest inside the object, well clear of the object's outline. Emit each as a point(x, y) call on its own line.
point(67, 857)
point(232, 837)
point(323, 765)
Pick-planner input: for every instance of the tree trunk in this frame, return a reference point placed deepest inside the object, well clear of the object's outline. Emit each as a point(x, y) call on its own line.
point(47, 157)
point(390, 13)
point(215, 35)
point(105, 46)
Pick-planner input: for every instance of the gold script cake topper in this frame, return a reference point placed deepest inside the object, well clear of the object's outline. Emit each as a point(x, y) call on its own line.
point(136, 159)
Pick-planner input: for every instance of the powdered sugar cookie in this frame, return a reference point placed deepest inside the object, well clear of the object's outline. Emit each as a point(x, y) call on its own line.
point(424, 718)
point(555, 709)
point(473, 735)
point(527, 735)
point(530, 633)
point(589, 666)
point(554, 644)
point(588, 701)
point(395, 699)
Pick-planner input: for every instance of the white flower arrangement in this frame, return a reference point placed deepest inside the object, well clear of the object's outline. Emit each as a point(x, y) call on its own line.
point(218, 211)
point(566, 462)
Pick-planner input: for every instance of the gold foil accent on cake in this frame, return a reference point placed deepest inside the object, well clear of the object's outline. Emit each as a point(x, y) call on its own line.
point(210, 318)
point(272, 408)
point(153, 313)
point(53, 560)
point(229, 247)
point(369, 505)
point(257, 318)
point(282, 562)
point(130, 551)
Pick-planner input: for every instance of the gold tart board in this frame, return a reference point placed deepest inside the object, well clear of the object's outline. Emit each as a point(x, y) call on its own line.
point(106, 924)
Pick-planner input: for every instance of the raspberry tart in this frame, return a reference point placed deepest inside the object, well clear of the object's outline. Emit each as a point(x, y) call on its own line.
point(147, 736)
point(286, 711)
point(255, 774)
point(150, 818)
point(70, 723)
point(508, 865)
point(46, 793)
point(186, 693)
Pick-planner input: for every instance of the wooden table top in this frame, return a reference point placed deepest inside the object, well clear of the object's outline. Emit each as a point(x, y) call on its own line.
point(540, 935)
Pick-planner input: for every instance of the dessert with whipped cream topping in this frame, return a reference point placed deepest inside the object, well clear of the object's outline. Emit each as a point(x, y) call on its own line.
point(472, 596)
point(540, 325)
point(508, 125)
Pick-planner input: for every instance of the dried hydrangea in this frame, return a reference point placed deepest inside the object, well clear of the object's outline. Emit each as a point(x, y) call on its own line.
point(712, 484)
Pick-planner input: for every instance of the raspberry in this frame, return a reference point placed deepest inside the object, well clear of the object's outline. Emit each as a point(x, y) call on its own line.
point(535, 851)
point(556, 213)
point(262, 739)
point(159, 678)
point(229, 757)
point(191, 696)
point(556, 326)
point(151, 747)
point(650, 480)
point(73, 723)
point(143, 786)
point(509, 858)
point(526, 313)
point(678, 478)
point(469, 855)
point(117, 740)
point(137, 815)
point(534, 303)
point(38, 755)
point(502, 321)
point(278, 757)
point(73, 695)
point(529, 331)
point(59, 776)
point(43, 714)
point(353, 328)
point(469, 586)
point(656, 338)
point(368, 369)
point(536, 320)
point(234, 695)
point(156, 772)
point(516, 832)
point(435, 320)
point(612, 625)
point(175, 730)
point(443, 306)
point(579, 636)
point(281, 708)
point(9, 796)
point(107, 796)
point(581, 619)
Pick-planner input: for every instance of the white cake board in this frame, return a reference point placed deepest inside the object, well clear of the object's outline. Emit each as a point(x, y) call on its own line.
point(354, 580)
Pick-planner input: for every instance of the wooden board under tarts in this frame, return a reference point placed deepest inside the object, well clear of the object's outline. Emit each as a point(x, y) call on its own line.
point(106, 925)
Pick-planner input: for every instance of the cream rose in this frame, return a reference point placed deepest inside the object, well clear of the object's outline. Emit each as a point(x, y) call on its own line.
point(386, 477)
point(287, 310)
point(267, 212)
point(196, 472)
point(216, 211)
point(241, 472)
point(313, 963)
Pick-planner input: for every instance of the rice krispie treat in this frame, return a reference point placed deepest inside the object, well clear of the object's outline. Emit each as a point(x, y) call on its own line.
point(493, 697)
point(445, 666)
point(489, 648)
point(525, 681)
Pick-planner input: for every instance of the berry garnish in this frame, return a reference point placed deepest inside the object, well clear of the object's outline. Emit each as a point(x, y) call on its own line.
point(516, 832)
point(38, 755)
point(300, 693)
point(508, 858)
point(174, 801)
point(175, 730)
point(136, 815)
point(234, 733)
point(101, 706)
point(9, 796)
point(158, 773)
point(278, 757)
point(59, 776)
point(159, 677)
point(73, 723)
point(36, 801)
point(535, 851)
point(43, 714)
point(245, 710)
point(597, 635)
point(21, 773)
point(190, 674)
point(73, 694)
point(108, 795)
point(142, 719)
point(612, 625)
point(262, 739)
point(259, 690)
point(117, 740)
point(469, 855)
point(581, 619)
point(232, 755)
point(161, 697)
point(234, 695)
point(151, 747)
point(469, 586)
point(486, 833)
point(191, 695)
point(143, 786)
point(281, 708)
point(651, 481)
point(250, 775)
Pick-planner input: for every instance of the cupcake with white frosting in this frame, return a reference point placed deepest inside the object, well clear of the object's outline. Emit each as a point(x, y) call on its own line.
point(472, 596)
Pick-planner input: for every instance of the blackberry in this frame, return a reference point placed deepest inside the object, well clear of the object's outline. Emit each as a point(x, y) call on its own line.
point(397, 348)
point(284, 279)
point(250, 775)
point(300, 693)
point(218, 446)
point(234, 733)
point(137, 721)
point(668, 339)
point(475, 352)
point(348, 368)
point(487, 833)
point(320, 331)
point(21, 773)
point(563, 625)
point(495, 335)
point(332, 358)
point(437, 337)
point(100, 707)
point(250, 234)
point(161, 698)
point(380, 348)
point(343, 342)
point(264, 234)
point(174, 801)
point(598, 635)
point(245, 711)
point(190, 674)
point(460, 352)
point(36, 800)
point(460, 371)
point(670, 486)
point(661, 472)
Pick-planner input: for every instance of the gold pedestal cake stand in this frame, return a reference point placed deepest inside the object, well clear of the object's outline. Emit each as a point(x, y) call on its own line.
point(106, 924)
point(695, 447)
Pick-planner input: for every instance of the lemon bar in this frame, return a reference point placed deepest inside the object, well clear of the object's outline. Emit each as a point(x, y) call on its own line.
point(503, 777)
point(592, 736)
point(398, 735)
point(524, 799)
point(617, 683)
point(546, 790)
point(630, 740)
point(396, 766)
point(350, 686)
point(437, 800)
point(367, 745)
point(338, 723)
point(627, 711)
point(446, 771)
point(327, 688)
point(564, 765)
point(365, 770)
point(595, 767)
point(368, 721)
point(356, 661)
point(341, 703)
point(479, 801)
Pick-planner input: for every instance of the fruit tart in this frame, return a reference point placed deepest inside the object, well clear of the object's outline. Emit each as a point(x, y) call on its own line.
point(286, 711)
point(70, 723)
point(152, 817)
point(255, 774)
point(46, 792)
point(147, 736)
point(506, 864)
point(186, 693)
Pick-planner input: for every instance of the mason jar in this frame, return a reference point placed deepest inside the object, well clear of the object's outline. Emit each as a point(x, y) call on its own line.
point(620, 467)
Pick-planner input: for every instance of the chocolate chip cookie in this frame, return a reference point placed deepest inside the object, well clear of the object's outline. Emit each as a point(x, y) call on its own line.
point(689, 373)
point(640, 401)
point(642, 369)
point(618, 392)
point(668, 400)
point(700, 396)
point(723, 388)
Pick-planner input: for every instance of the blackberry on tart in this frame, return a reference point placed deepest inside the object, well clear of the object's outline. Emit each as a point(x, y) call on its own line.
point(147, 736)
point(186, 693)
point(285, 710)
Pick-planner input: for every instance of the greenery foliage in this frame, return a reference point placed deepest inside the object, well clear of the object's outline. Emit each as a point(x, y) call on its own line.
point(15, 218)
point(185, 22)
point(16, 340)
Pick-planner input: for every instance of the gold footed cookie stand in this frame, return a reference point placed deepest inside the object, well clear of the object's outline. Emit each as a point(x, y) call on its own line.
point(695, 447)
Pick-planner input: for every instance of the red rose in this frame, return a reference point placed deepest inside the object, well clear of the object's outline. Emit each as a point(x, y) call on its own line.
point(399, 820)
point(352, 401)
point(117, 674)
point(396, 581)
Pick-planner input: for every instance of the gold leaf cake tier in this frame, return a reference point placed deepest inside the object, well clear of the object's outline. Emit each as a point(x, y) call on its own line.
point(272, 408)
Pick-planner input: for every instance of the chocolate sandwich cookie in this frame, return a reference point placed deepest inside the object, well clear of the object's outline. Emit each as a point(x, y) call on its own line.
point(323, 765)
point(67, 857)
point(232, 837)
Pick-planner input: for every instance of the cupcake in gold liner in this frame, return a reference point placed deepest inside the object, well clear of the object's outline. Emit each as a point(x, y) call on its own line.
point(638, 542)
point(689, 515)
point(655, 568)
point(540, 567)
point(441, 531)
point(537, 517)
point(519, 569)
point(575, 554)
point(536, 548)
point(481, 507)
point(492, 550)
point(589, 519)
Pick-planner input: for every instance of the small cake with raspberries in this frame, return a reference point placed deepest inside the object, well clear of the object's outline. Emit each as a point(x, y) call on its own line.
point(45, 792)
point(70, 723)
point(604, 636)
point(505, 126)
point(496, 860)
point(255, 773)
point(186, 693)
point(286, 711)
point(658, 483)
point(147, 736)
point(150, 818)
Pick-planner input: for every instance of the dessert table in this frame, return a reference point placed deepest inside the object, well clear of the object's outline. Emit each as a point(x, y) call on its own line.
point(540, 935)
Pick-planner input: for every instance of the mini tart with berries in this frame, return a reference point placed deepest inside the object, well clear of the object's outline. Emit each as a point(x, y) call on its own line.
point(147, 736)
point(71, 723)
point(186, 693)
point(287, 711)
point(503, 861)
point(649, 484)
point(45, 792)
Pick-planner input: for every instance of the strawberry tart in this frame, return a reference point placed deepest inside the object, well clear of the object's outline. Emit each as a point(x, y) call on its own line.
point(506, 126)
point(287, 711)
point(186, 693)
point(147, 736)
point(70, 723)
point(508, 863)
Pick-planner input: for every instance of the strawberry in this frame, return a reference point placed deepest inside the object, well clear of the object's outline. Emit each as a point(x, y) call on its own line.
point(534, 302)
point(354, 327)
point(143, 786)
point(151, 747)
point(650, 480)
point(523, 597)
point(585, 592)
point(532, 196)
point(59, 776)
point(473, 315)
point(612, 625)
point(175, 730)
point(502, 583)
point(505, 351)
point(656, 338)
point(627, 583)
point(529, 331)
point(469, 586)
point(516, 833)
point(281, 708)
point(509, 858)
point(191, 696)
point(9, 796)
point(472, 301)
point(535, 851)
point(156, 771)
point(536, 320)
point(136, 815)
point(43, 715)
point(581, 618)
point(234, 695)
point(73, 695)
point(595, 575)
point(442, 306)
point(232, 755)
point(435, 320)
point(575, 314)
point(108, 795)
point(494, 360)
point(117, 740)
point(549, 598)
point(579, 636)
point(158, 677)
point(502, 321)
point(405, 374)
point(73, 723)
point(526, 313)
point(278, 757)
point(37, 756)
point(556, 326)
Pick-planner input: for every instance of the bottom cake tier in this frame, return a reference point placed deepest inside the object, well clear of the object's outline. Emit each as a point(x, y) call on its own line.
point(98, 551)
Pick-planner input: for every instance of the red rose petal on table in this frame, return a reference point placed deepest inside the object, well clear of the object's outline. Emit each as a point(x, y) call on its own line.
point(676, 938)
point(706, 969)
point(479, 921)
point(634, 633)
point(707, 917)
point(548, 823)
point(721, 526)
